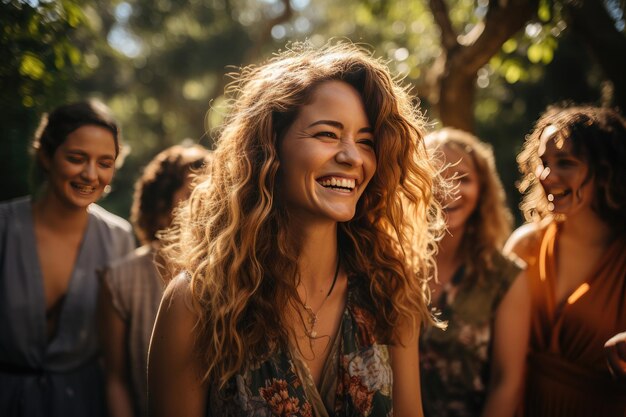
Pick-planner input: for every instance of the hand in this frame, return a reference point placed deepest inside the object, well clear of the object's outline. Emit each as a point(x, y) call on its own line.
point(615, 350)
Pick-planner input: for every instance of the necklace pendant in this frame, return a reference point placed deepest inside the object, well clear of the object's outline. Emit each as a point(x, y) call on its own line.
point(312, 334)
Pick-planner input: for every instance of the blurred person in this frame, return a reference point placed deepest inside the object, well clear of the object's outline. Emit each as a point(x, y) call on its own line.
point(306, 255)
point(133, 286)
point(51, 245)
point(475, 367)
point(574, 179)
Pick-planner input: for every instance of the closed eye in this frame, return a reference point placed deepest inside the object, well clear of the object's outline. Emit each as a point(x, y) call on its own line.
point(326, 134)
point(106, 164)
point(367, 142)
point(74, 159)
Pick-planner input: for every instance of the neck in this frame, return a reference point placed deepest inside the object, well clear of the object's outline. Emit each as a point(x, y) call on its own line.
point(318, 258)
point(49, 211)
point(449, 247)
point(586, 227)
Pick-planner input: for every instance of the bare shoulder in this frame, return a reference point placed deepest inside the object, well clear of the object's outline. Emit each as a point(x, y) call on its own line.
point(177, 297)
point(524, 240)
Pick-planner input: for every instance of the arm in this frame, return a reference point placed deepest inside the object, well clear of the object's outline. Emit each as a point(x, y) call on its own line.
point(615, 350)
point(510, 344)
point(113, 340)
point(407, 392)
point(175, 385)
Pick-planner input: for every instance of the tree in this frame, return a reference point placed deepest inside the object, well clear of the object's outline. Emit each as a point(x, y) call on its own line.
point(454, 74)
point(38, 62)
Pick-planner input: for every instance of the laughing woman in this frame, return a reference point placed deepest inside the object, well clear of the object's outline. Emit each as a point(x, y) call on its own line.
point(305, 257)
point(475, 367)
point(50, 248)
point(575, 246)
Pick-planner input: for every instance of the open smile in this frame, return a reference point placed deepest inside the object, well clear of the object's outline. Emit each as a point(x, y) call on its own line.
point(558, 193)
point(344, 185)
point(83, 189)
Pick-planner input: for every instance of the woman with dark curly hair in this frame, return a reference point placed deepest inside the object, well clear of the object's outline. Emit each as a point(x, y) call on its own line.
point(305, 258)
point(574, 178)
point(132, 287)
point(51, 246)
point(475, 367)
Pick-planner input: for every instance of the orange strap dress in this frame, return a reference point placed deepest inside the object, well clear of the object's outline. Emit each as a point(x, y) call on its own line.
point(567, 369)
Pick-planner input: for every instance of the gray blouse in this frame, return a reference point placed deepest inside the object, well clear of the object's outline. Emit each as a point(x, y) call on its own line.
point(60, 377)
point(136, 290)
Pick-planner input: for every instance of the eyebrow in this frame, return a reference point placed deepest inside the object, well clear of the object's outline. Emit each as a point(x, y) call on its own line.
point(83, 153)
point(339, 125)
point(561, 155)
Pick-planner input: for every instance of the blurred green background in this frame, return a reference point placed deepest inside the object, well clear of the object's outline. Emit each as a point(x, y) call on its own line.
point(488, 66)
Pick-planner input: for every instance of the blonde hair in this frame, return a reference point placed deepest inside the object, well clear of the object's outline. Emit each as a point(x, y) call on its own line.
point(491, 223)
point(234, 237)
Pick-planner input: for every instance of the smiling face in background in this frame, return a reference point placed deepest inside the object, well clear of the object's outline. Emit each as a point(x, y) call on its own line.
point(327, 155)
point(459, 207)
point(563, 175)
point(81, 167)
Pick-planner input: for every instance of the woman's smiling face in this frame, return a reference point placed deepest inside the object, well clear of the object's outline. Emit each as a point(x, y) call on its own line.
point(463, 202)
point(327, 155)
point(563, 175)
point(82, 166)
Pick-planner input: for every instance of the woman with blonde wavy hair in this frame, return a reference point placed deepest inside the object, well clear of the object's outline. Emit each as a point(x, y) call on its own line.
point(305, 256)
point(476, 366)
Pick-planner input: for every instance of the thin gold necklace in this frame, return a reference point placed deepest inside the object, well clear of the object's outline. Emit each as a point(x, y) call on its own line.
point(311, 333)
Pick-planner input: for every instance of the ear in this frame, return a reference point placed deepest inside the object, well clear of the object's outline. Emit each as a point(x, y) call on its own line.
point(44, 160)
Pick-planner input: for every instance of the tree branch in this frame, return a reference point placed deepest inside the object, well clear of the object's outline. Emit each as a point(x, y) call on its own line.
point(502, 21)
point(439, 10)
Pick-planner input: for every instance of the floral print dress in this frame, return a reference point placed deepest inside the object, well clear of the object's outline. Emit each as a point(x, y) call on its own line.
point(273, 387)
point(454, 364)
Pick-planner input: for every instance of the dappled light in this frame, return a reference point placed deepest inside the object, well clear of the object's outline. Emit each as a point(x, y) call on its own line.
point(172, 57)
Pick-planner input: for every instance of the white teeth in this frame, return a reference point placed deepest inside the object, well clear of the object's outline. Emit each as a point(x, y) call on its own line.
point(85, 189)
point(339, 182)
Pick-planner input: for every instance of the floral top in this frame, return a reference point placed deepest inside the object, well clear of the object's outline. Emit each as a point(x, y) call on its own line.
point(454, 364)
point(273, 388)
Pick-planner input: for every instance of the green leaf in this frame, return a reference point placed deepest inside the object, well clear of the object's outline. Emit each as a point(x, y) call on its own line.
point(548, 55)
point(544, 13)
point(509, 46)
point(513, 74)
point(535, 53)
point(31, 66)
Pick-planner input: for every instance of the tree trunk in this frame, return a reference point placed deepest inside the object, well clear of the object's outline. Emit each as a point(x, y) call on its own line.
point(454, 75)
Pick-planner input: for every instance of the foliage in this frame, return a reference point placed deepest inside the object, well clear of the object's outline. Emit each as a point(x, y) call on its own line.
point(37, 65)
point(161, 65)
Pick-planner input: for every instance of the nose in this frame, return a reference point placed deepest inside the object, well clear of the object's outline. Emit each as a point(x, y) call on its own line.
point(349, 154)
point(89, 172)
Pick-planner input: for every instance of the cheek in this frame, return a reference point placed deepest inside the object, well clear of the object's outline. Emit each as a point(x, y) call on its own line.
point(471, 193)
point(106, 176)
point(369, 164)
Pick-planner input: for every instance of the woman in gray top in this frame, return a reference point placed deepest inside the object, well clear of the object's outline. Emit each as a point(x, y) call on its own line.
point(51, 245)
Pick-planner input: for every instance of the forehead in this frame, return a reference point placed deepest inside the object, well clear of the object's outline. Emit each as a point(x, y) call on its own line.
point(90, 139)
point(332, 99)
point(459, 160)
point(551, 142)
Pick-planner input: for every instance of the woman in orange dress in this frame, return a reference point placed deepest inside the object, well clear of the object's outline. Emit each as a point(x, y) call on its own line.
point(575, 246)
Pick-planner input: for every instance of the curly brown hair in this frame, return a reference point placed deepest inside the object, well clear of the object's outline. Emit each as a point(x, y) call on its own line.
point(491, 223)
point(234, 237)
point(153, 200)
point(598, 137)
